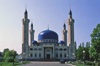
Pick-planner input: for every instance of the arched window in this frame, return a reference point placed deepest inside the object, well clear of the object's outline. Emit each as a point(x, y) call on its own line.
point(56, 49)
point(64, 55)
point(31, 55)
point(40, 49)
point(60, 49)
point(35, 55)
point(65, 49)
point(60, 55)
point(48, 50)
point(31, 49)
point(35, 49)
point(56, 54)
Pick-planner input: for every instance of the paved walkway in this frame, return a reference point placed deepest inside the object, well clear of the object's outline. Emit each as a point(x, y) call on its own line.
point(46, 64)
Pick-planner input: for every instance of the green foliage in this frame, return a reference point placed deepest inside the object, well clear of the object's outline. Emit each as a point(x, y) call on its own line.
point(4, 51)
point(9, 55)
point(88, 63)
point(1, 54)
point(9, 64)
point(79, 53)
point(94, 50)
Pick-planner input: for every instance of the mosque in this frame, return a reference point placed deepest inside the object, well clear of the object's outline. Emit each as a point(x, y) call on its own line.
point(48, 46)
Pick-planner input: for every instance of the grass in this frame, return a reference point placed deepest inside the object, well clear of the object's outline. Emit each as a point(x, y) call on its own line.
point(79, 64)
point(11, 63)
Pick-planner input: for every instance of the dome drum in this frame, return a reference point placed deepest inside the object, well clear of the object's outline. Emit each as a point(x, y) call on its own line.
point(48, 40)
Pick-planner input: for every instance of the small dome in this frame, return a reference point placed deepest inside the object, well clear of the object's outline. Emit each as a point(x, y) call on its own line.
point(61, 42)
point(34, 42)
point(47, 34)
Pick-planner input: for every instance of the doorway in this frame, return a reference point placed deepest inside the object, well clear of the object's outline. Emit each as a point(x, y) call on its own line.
point(48, 56)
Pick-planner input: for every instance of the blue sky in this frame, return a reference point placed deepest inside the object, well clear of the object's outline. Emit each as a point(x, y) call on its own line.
point(86, 14)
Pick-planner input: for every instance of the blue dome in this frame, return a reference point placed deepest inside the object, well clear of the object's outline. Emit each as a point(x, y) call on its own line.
point(61, 42)
point(34, 42)
point(47, 34)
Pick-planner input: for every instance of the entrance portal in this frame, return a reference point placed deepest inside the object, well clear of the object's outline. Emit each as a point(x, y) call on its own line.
point(48, 56)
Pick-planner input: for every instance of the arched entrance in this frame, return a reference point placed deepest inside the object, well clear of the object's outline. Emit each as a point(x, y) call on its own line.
point(48, 53)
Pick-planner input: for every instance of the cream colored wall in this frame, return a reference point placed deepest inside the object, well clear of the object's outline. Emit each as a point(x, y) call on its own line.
point(37, 52)
point(61, 52)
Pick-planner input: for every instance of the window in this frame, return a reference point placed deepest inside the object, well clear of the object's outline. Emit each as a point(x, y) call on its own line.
point(48, 50)
point(56, 55)
point(65, 49)
point(60, 49)
point(64, 55)
point(39, 55)
point(31, 48)
point(35, 55)
point(31, 55)
point(56, 49)
point(35, 49)
point(60, 55)
point(40, 49)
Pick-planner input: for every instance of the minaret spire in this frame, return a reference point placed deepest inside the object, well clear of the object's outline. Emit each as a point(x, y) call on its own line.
point(25, 13)
point(64, 26)
point(64, 34)
point(31, 33)
point(48, 27)
point(31, 25)
point(70, 13)
point(25, 7)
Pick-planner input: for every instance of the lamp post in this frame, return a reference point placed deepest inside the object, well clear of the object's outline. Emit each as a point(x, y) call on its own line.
point(24, 56)
point(13, 57)
point(73, 56)
point(68, 57)
point(84, 57)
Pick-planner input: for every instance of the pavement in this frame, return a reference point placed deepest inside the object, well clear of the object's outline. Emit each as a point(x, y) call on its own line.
point(36, 63)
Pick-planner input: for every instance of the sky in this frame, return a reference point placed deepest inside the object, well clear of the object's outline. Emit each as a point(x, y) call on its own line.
point(42, 13)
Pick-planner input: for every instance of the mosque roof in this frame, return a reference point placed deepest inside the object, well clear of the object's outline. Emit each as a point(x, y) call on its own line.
point(47, 34)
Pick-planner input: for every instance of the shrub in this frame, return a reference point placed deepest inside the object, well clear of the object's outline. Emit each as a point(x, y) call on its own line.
point(9, 59)
point(88, 63)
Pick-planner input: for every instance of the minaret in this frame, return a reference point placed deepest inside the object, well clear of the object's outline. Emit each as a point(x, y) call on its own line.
point(64, 34)
point(71, 45)
point(25, 35)
point(31, 34)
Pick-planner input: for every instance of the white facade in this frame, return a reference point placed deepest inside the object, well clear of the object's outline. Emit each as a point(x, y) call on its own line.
point(48, 48)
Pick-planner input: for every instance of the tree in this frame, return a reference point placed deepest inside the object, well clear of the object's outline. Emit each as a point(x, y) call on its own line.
point(94, 50)
point(82, 44)
point(4, 51)
point(9, 55)
point(79, 53)
point(75, 49)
